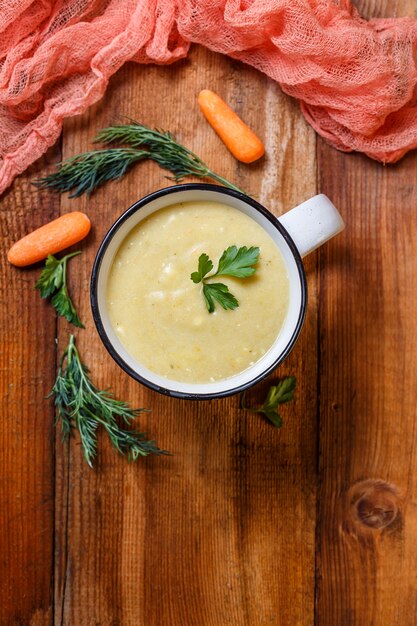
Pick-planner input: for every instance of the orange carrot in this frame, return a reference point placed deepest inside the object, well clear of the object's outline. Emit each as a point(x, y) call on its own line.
point(241, 141)
point(50, 238)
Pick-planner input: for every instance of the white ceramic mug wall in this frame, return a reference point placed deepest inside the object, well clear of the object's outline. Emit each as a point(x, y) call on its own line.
point(296, 233)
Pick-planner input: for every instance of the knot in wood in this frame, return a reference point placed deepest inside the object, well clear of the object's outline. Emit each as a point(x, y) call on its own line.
point(374, 503)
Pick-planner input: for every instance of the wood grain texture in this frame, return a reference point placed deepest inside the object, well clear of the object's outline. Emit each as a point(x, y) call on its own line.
point(368, 393)
point(27, 363)
point(244, 524)
point(367, 555)
point(386, 8)
point(200, 537)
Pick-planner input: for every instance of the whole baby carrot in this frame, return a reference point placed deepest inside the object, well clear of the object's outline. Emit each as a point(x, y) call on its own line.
point(238, 137)
point(49, 239)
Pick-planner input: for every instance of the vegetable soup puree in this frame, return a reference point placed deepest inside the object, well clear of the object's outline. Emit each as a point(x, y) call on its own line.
point(160, 315)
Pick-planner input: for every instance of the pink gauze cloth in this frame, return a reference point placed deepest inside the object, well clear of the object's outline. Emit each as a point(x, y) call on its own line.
point(355, 79)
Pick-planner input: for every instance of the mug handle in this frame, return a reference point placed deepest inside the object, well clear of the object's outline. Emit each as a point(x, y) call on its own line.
point(312, 223)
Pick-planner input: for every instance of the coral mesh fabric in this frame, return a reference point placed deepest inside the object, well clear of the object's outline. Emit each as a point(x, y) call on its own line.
point(355, 79)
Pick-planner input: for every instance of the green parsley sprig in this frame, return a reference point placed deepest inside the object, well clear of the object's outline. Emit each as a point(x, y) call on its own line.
point(87, 171)
point(233, 262)
point(278, 394)
point(80, 405)
point(53, 282)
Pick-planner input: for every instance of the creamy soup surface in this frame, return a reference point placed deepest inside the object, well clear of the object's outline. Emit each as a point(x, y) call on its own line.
point(160, 315)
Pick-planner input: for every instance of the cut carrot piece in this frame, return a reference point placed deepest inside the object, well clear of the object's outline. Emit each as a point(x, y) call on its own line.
point(49, 239)
point(238, 137)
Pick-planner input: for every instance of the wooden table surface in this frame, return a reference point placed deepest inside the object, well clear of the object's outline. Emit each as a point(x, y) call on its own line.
point(244, 524)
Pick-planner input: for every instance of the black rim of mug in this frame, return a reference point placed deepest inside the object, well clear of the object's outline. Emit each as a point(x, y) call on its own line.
point(96, 271)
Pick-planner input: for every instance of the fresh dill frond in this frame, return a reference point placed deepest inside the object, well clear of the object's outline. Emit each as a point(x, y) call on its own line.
point(86, 172)
point(81, 406)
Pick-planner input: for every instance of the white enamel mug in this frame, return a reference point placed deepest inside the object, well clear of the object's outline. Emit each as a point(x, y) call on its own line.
point(296, 233)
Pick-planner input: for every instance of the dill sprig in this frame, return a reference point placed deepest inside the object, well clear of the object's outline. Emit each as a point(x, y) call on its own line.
point(86, 172)
point(79, 404)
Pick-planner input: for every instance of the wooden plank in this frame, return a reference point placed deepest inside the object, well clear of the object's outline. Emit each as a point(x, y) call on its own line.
point(368, 396)
point(367, 520)
point(222, 532)
point(27, 363)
